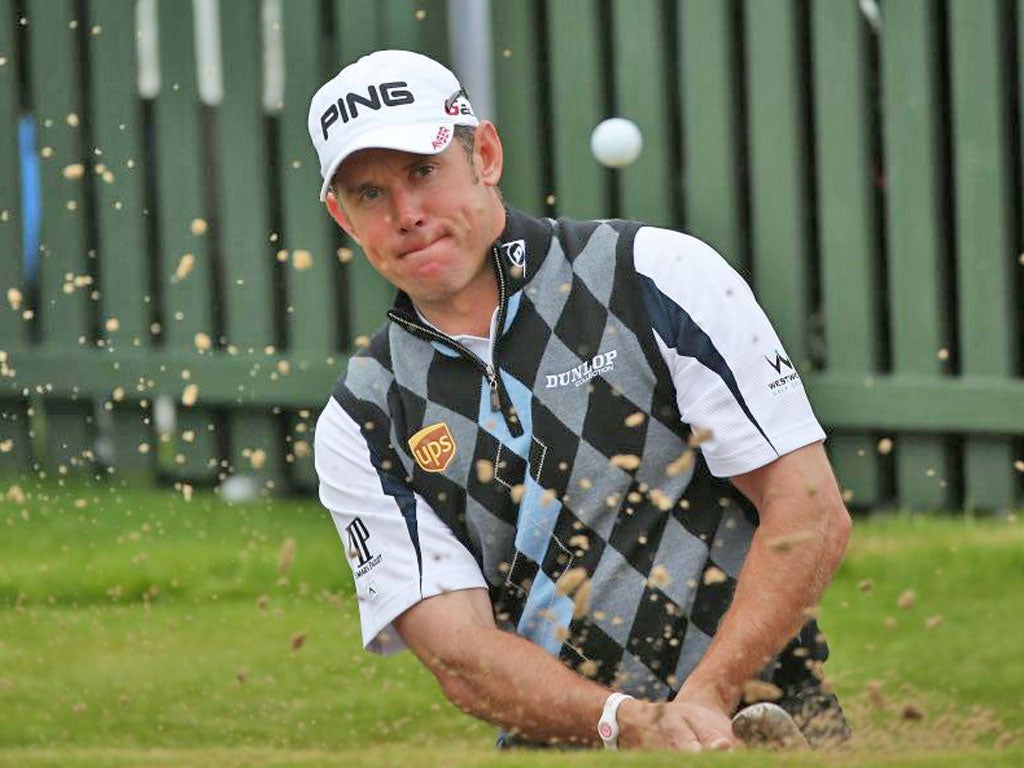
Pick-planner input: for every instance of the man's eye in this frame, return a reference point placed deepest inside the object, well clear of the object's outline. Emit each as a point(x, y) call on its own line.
point(425, 170)
point(368, 194)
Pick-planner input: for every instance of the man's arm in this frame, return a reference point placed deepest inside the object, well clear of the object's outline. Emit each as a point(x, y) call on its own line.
point(511, 682)
point(804, 527)
point(514, 683)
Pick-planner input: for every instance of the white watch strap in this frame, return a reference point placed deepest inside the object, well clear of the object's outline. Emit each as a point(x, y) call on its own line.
point(608, 725)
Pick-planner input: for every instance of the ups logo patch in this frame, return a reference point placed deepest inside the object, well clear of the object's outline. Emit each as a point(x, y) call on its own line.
point(433, 447)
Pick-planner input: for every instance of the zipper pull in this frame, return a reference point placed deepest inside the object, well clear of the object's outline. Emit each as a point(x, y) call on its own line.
point(492, 378)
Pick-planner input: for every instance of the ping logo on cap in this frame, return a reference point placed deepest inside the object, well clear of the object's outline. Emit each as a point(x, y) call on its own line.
point(433, 447)
point(377, 97)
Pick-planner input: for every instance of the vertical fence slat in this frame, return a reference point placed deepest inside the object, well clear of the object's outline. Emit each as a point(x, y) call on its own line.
point(181, 186)
point(13, 425)
point(311, 312)
point(984, 243)
point(777, 159)
point(64, 310)
point(56, 97)
point(847, 223)
point(116, 125)
point(581, 185)
point(305, 223)
point(911, 133)
point(709, 99)
point(248, 257)
point(115, 120)
point(11, 324)
point(358, 31)
point(642, 88)
point(181, 198)
point(1019, 234)
point(417, 25)
point(517, 85)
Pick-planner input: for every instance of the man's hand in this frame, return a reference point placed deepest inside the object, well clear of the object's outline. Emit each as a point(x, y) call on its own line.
point(691, 726)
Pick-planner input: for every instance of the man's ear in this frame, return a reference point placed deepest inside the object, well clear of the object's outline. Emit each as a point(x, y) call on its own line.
point(338, 214)
point(489, 154)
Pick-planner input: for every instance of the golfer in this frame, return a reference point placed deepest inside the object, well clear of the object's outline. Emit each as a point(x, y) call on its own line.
point(575, 471)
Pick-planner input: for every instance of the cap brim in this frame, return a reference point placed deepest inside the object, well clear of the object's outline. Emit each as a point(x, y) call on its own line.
point(424, 138)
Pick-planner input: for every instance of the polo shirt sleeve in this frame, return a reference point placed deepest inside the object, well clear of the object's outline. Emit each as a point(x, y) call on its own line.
point(731, 373)
point(399, 550)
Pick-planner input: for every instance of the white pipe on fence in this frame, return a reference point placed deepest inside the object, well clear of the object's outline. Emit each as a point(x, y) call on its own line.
point(147, 48)
point(209, 74)
point(469, 41)
point(872, 14)
point(273, 56)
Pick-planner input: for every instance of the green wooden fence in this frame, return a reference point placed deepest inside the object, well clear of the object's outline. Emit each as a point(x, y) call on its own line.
point(862, 169)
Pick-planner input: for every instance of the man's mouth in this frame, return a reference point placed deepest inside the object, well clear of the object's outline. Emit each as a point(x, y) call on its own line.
point(420, 248)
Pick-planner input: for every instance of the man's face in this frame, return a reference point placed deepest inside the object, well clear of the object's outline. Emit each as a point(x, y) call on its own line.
point(425, 222)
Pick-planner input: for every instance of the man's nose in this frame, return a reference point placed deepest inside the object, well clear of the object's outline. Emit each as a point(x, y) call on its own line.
point(408, 211)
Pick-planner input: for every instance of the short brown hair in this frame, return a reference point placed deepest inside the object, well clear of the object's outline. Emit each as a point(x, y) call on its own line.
point(466, 136)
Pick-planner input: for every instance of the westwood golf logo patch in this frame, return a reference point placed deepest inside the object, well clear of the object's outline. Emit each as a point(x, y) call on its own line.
point(788, 378)
point(433, 447)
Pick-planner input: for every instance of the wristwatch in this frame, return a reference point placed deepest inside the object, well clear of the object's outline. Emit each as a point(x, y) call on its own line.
point(608, 725)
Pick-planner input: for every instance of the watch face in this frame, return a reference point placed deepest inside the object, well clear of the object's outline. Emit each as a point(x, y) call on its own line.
point(605, 730)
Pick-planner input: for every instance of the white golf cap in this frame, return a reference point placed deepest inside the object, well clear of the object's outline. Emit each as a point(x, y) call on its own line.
point(386, 100)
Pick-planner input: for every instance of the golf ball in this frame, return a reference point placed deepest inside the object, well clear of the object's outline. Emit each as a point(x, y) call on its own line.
point(616, 142)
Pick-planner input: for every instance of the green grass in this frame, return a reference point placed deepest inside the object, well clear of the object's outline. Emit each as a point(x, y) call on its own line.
point(138, 629)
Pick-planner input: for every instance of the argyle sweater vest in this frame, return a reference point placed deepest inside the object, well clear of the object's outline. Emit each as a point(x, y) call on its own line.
point(566, 451)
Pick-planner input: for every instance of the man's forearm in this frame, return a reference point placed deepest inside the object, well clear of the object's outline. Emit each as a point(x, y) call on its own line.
point(517, 685)
point(511, 682)
point(792, 558)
